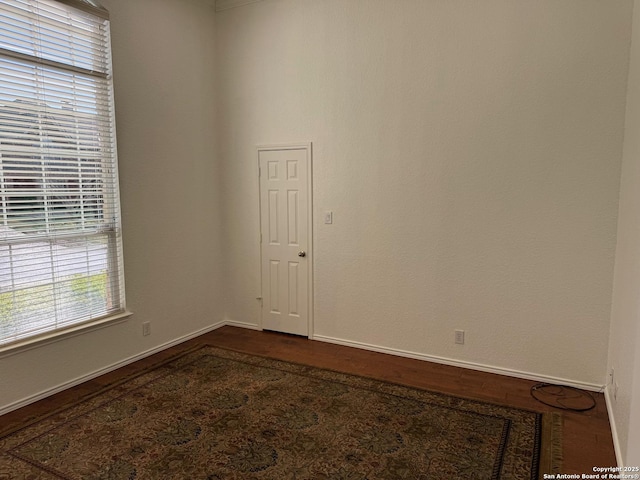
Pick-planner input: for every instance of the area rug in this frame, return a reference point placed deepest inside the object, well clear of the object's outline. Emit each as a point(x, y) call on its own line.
point(218, 414)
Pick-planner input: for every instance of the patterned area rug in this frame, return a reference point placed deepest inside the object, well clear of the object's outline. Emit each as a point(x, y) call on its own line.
point(218, 414)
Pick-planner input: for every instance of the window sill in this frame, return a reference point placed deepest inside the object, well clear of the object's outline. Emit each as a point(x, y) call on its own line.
point(21, 346)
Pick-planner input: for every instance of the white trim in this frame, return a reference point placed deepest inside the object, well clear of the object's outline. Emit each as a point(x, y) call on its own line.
point(248, 326)
point(270, 147)
point(227, 4)
point(321, 338)
point(259, 220)
point(612, 423)
point(312, 261)
point(308, 147)
point(459, 363)
point(110, 368)
point(57, 335)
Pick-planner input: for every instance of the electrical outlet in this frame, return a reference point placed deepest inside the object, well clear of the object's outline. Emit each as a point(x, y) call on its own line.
point(146, 329)
point(459, 337)
point(328, 218)
point(611, 377)
point(615, 391)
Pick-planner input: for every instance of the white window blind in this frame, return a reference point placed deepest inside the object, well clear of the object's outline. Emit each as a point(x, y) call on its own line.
point(60, 238)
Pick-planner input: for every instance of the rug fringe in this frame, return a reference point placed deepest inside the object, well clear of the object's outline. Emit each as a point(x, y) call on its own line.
point(551, 457)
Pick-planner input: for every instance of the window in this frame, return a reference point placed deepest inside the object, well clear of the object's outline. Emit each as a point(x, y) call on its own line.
point(60, 238)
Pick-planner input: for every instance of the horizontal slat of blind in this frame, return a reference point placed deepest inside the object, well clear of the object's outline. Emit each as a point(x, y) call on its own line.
point(60, 240)
point(49, 31)
point(89, 6)
point(22, 78)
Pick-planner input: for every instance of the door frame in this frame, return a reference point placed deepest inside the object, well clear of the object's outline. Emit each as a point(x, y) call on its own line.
point(308, 147)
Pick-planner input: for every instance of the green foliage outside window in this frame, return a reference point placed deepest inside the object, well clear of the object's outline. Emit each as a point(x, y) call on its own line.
point(92, 287)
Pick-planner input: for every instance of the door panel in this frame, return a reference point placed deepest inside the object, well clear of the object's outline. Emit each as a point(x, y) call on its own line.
point(284, 207)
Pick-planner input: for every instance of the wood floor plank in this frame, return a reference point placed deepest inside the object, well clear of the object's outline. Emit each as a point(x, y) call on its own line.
point(587, 440)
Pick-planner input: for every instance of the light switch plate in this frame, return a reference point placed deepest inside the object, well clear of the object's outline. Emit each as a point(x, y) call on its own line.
point(328, 218)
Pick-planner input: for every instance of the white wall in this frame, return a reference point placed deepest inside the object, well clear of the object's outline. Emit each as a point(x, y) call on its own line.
point(164, 83)
point(470, 152)
point(624, 346)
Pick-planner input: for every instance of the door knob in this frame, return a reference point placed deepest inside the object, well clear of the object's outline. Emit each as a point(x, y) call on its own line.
point(302, 254)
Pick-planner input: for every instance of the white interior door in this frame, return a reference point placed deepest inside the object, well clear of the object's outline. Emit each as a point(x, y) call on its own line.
point(285, 239)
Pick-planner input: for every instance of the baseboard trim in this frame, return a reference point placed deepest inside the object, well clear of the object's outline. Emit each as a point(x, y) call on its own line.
point(77, 381)
point(463, 364)
point(337, 341)
point(608, 399)
point(249, 326)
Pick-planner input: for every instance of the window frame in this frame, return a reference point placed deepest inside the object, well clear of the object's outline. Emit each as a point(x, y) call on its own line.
point(110, 229)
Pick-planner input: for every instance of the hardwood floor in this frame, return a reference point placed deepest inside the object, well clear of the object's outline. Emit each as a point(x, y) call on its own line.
point(587, 440)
